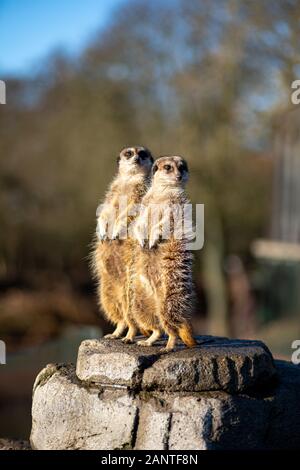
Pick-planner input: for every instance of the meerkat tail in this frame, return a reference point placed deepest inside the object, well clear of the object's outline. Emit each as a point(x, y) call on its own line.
point(185, 333)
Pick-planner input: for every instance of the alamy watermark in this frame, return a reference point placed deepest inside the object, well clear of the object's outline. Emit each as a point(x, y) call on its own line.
point(2, 352)
point(2, 92)
point(296, 354)
point(295, 96)
point(152, 223)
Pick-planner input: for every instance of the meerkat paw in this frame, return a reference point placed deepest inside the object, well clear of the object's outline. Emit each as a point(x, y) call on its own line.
point(153, 240)
point(144, 342)
point(139, 236)
point(127, 340)
point(112, 336)
point(166, 349)
point(155, 335)
point(101, 229)
point(119, 231)
point(170, 346)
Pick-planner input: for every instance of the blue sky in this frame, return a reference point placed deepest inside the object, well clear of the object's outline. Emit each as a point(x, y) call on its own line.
point(30, 29)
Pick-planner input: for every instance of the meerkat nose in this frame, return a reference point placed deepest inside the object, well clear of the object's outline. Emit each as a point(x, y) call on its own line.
point(178, 177)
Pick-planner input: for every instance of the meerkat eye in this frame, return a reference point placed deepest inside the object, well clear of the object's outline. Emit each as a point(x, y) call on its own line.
point(143, 155)
point(167, 167)
point(128, 153)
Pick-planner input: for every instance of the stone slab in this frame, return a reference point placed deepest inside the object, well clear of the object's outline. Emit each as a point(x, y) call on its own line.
point(214, 364)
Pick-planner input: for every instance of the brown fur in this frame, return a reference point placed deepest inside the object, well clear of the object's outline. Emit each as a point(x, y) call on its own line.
point(161, 287)
point(111, 259)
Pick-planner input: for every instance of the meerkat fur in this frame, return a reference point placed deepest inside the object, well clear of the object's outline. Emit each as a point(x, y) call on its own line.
point(162, 286)
point(112, 251)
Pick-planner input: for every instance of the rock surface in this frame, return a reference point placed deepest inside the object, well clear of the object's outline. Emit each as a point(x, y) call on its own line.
point(14, 444)
point(153, 401)
point(215, 364)
point(68, 415)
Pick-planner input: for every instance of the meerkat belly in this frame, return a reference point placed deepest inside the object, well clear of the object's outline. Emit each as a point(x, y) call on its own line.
point(148, 272)
point(146, 287)
point(112, 256)
point(112, 266)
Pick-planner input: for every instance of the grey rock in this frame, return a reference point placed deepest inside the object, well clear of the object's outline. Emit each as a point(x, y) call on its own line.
point(191, 423)
point(215, 364)
point(67, 415)
point(256, 409)
point(14, 444)
point(153, 430)
point(203, 421)
point(284, 422)
point(110, 362)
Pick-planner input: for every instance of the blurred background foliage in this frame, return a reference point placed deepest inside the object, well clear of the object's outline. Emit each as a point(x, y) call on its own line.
point(208, 79)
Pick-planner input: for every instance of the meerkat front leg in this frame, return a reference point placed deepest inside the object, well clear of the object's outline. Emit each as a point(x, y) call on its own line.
point(160, 229)
point(102, 228)
point(156, 334)
point(140, 228)
point(121, 327)
point(120, 228)
point(123, 221)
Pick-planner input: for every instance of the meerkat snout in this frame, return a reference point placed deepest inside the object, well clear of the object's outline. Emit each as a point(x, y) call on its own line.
point(168, 171)
point(135, 160)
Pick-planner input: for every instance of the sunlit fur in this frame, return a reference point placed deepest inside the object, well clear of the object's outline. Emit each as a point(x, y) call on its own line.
point(162, 294)
point(111, 259)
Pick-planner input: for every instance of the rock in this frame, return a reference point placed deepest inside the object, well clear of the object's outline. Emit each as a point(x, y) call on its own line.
point(110, 362)
point(197, 421)
point(215, 364)
point(284, 424)
point(145, 402)
point(67, 415)
point(153, 431)
point(14, 444)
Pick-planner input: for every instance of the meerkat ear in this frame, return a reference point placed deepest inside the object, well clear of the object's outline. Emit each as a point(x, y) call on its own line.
point(154, 169)
point(118, 160)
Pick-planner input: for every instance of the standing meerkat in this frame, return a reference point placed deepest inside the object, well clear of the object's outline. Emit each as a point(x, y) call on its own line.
point(112, 253)
point(162, 285)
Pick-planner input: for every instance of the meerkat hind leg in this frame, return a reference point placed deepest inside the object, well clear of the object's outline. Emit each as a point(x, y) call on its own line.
point(121, 327)
point(156, 334)
point(131, 333)
point(170, 343)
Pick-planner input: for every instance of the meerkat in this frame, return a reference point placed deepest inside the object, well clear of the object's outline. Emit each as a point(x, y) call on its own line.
point(162, 285)
point(112, 253)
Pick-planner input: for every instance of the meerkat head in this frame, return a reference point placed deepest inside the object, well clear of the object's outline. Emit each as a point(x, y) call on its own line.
point(170, 171)
point(134, 161)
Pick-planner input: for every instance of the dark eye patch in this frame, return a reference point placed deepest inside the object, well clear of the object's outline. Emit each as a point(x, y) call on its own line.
point(128, 153)
point(154, 169)
point(143, 155)
point(167, 167)
point(182, 167)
